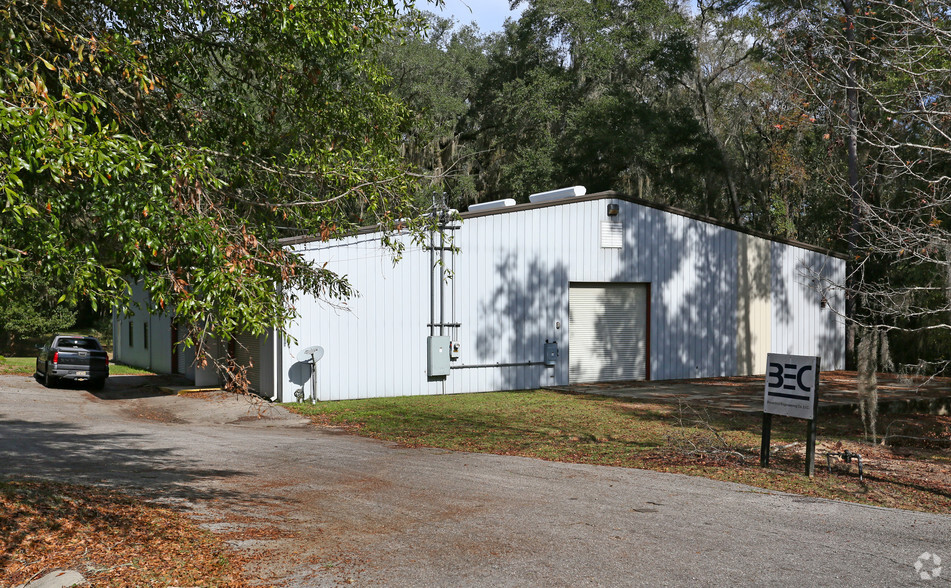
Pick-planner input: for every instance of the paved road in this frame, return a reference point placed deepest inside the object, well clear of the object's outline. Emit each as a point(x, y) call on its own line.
point(324, 508)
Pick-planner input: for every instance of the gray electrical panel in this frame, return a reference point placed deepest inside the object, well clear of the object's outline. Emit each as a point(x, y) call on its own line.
point(437, 356)
point(551, 353)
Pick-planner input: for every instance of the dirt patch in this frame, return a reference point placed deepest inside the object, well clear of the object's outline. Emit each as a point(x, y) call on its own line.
point(152, 413)
point(113, 539)
point(905, 465)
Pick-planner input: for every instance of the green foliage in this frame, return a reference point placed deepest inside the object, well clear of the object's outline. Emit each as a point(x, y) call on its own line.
point(435, 71)
point(572, 97)
point(641, 97)
point(564, 95)
point(26, 320)
point(33, 312)
point(875, 75)
point(175, 143)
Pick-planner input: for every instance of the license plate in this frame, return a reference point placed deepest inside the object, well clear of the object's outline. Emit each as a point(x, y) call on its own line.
point(82, 373)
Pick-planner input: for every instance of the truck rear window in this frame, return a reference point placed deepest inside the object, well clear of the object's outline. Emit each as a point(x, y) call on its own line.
point(80, 343)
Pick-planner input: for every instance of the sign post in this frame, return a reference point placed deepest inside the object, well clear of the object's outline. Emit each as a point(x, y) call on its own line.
point(792, 389)
point(764, 444)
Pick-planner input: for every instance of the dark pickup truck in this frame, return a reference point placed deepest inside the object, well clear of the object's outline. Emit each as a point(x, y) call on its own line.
point(73, 357)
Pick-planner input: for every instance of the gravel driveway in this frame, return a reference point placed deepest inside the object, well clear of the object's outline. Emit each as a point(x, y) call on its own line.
point(322, 508)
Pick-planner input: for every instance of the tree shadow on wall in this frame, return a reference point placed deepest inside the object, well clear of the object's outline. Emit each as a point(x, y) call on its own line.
point(811, 269)
point(701, 337)
point(696, 296)
point(653, 252)
point(623, 335)
point(527, 302)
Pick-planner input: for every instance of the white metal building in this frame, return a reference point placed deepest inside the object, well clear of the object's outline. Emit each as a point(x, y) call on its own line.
point(625, 290)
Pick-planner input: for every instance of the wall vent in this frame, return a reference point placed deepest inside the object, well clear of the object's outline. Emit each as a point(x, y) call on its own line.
point(612, 235)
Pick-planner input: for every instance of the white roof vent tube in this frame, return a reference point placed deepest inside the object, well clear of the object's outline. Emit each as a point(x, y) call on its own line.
point(495, 204)
point(559, 194)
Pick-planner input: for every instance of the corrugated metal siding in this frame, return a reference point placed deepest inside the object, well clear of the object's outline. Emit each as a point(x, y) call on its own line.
point(512, 280)
point(691, 268)
point(247, 353)
point(511, 296)
point(374, 343)
point(799, 325)
point(753, 304)
point(157, 356)
point(160, 344)
point(608, 332)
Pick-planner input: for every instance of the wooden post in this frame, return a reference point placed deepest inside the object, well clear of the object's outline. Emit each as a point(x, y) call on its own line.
point(811, 426)
point(811, 447)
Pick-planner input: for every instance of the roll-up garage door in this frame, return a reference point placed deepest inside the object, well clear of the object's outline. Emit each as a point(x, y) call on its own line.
point(247, 350)
point(607, 332)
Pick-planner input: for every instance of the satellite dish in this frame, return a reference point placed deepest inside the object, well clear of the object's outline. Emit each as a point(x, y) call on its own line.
point(310, 354)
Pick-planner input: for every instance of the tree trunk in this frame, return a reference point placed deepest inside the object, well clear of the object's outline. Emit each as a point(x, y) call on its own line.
point(721, 149)
point(867, 380)
point(852, 101)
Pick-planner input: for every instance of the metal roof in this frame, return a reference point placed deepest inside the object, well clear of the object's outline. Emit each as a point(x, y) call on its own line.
point(606, 195)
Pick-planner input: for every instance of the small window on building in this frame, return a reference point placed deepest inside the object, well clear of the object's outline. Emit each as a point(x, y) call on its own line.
point(131, 334)
point(145, 335)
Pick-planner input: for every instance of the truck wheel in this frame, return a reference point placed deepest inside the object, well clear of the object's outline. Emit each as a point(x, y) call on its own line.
point(97, 384)
point(48, 380)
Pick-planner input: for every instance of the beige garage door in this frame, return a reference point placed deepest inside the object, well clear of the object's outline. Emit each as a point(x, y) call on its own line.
point(607, 332)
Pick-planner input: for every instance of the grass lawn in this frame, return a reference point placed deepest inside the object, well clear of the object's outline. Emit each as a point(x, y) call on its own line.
point(26, 366)
point(723, 445)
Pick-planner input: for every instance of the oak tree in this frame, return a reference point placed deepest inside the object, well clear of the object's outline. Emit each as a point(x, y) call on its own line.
point(174, 143)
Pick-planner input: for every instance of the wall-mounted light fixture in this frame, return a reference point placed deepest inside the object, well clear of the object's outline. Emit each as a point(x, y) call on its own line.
point(614, 209)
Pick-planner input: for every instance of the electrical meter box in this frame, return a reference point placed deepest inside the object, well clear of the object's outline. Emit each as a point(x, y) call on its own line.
point(454, 348)
point(437, 356)
point(551, 353)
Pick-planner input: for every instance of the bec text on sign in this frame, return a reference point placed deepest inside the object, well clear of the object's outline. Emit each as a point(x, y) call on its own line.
point(791, 385)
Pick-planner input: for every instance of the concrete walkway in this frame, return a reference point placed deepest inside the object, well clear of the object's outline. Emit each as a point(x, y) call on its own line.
point(837, 393)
